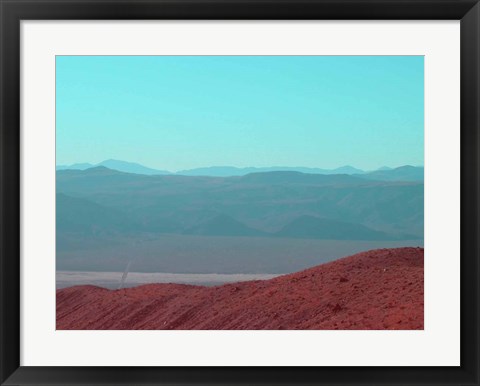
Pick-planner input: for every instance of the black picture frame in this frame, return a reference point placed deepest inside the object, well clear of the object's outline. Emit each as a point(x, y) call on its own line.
point(13, 11)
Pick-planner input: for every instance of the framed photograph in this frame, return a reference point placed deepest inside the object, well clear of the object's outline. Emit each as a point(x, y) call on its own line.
point(239, 193)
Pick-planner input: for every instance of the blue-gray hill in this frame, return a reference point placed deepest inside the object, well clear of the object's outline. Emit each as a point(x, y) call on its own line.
point(309, 227)
point(230, 171)
point(223, 225)
point(402, 173)
point(81, 215)
point(291, 177)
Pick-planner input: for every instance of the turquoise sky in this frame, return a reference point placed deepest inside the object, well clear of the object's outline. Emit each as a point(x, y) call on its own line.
point(181, 112)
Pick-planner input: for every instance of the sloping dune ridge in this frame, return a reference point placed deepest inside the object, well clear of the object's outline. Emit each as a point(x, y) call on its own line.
point(378, 289)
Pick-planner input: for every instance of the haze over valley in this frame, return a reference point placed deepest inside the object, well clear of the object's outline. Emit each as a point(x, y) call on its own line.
point(263, 223)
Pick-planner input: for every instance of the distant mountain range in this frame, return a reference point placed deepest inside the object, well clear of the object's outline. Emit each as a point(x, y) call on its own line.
point(229, 171)
point(280, 204)
point(403, 173)
point(264, 222)
point(122, 166)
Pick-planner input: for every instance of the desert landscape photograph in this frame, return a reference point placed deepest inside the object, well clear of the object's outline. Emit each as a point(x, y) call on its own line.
point(239, 193)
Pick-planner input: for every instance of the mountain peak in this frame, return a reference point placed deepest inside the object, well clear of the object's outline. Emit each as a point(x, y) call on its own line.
point(118, 165)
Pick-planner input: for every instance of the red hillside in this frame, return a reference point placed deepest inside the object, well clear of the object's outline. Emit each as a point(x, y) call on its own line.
point(378, 289)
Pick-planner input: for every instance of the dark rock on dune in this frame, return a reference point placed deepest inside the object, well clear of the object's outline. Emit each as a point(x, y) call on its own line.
point(375, 290)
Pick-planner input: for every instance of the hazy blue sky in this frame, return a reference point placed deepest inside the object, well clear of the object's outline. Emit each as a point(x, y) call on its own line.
point(181, 112)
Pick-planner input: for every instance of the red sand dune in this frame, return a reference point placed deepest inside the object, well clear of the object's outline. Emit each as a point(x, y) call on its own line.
point(379, 289)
